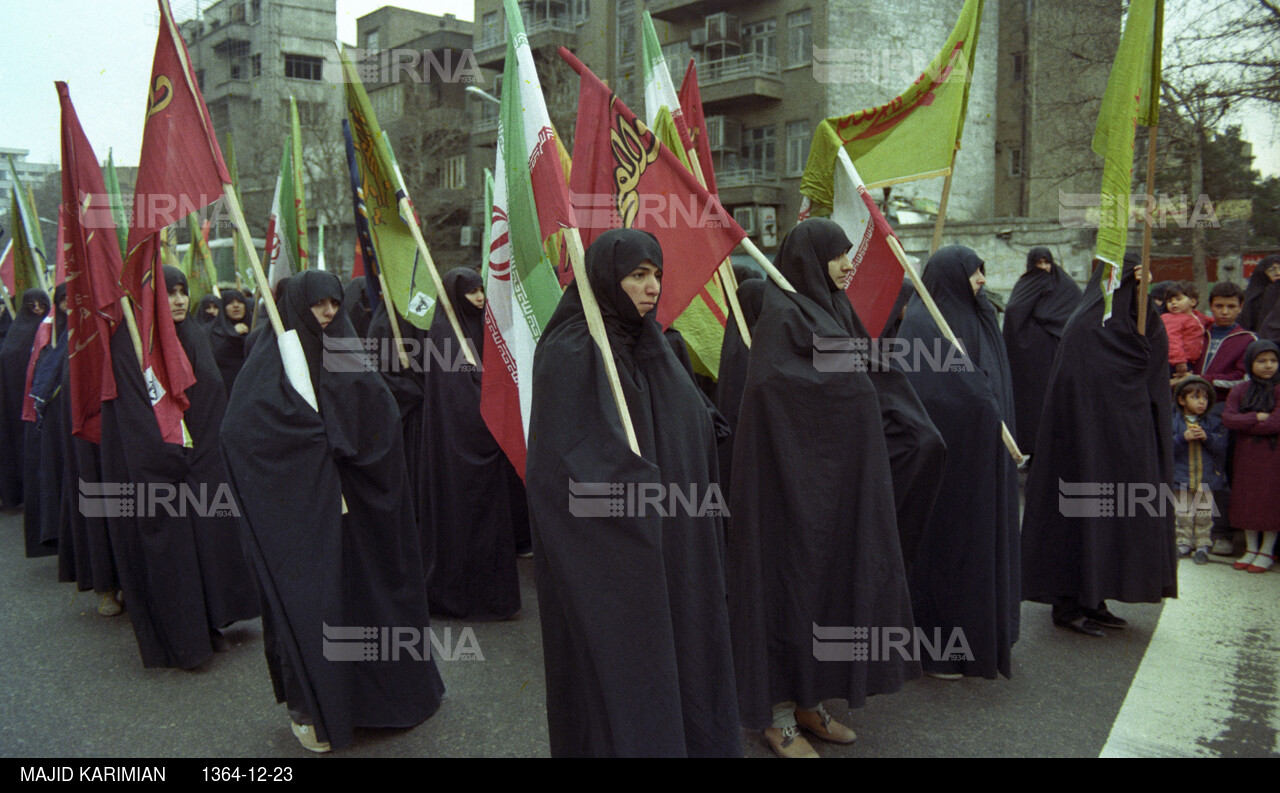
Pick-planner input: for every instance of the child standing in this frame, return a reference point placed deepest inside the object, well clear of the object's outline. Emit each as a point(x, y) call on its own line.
point(1199, 457)
point(1182, 322)
point(1251, 414)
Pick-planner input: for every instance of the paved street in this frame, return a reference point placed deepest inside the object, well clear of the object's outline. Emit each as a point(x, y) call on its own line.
point(1196, 677)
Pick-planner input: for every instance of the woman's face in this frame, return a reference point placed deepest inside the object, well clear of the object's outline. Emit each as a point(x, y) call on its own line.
point(840, 270)
point(1265, 365)
point(179, 302)
point(1273, 272)
point(235, 311)
point(1044, 264)
point(476, 296)
point(977, 280)
point(644, 285)
point(211, 309)
point(324, 311)
point(39, 308)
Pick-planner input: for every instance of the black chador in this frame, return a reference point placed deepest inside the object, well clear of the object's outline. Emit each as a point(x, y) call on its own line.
point(42, 461)
point(226, 341)
point(1105, 423)
point(15, 355)
point(1034, 318)
point(321, 568)
point(635, 632)
point(466, 477)
point(184, 575)
point(734, 355)
point(814, 544)
point(966, 571)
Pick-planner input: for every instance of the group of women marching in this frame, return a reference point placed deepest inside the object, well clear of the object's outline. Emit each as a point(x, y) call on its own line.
point(876, 497)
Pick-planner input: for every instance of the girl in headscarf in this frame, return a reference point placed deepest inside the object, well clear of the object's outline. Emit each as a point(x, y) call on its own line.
point(966, 571)
point(814, 541)
point(1261, 294)
point(1039, 305)
point(15, 355)
point(327, 522)
point(227, 334)
point(466, 476)
point(1106, 419)
point(635, 632)
point(734, 355)
point(183, 575)
point(1251, 413)
point(356, 300)
point(209, 310)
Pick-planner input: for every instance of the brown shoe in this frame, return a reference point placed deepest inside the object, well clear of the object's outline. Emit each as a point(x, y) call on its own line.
point(820, 723)
point(788, 742)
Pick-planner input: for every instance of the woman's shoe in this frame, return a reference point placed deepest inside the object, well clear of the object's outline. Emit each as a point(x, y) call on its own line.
point(306, 735)
point(788, 742)
point(820, 723)
point(1246, 561)
point(1262, 564)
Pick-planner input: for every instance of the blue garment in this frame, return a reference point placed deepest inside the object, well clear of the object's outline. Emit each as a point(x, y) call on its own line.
point(1188, 455)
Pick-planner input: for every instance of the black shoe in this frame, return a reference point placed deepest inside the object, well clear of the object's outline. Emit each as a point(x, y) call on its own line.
point(220, 642)
point(1083, 625)
point(1105, 618)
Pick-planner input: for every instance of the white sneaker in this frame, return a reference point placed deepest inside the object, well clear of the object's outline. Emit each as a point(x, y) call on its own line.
point(1223, 548)
point(306, 735)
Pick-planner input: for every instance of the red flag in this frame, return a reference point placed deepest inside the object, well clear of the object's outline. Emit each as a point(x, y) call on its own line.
point(180, 169)
point(93, 264)
point(43, 333)
point(628, 179)
point(357, 264)
point(877, 275)
point(691, 106)
point(165, 367)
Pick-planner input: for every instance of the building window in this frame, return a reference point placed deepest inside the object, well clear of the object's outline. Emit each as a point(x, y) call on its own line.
point(626, 24)
point(371, 40)
point(761, 149)
point(388, 104)
point(799, 38)
point(677, 55)
point(256, 63)
point(1019, 66)
point(761, 38)
point(236, 72)
point(798, 138)
point(490, 30)
point(453, 176)
point(255, 11)
point(1015, 162)
point(581, 11)
point(302, 67)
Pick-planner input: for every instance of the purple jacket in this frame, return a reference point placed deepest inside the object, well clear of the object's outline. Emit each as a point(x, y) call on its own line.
point(1225, 369)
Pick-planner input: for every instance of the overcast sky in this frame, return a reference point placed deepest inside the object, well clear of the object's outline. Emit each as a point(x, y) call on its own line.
point(103, 49)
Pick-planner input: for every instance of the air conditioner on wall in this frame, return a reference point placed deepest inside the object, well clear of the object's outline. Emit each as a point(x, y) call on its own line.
point(698, 38)
point(745, 217)
point(469, 237)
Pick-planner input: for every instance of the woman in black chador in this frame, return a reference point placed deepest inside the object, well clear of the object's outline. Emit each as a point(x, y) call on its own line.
point(1105, 423)
point(15, 355)
point(734, 355)
point(635, 632)
point(183, 575)
point(466, 476)
point(1034, 318)
point(227, 333)
point(42, 460)
point(965, 578)
point(814, 544)
point(326, 514)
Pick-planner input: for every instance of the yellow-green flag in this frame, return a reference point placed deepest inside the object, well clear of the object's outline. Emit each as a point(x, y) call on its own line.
point(197, 264)
point(913, 136)
point(702, 323)
point(408, 282)
point(243, 269)
point(1132, 98)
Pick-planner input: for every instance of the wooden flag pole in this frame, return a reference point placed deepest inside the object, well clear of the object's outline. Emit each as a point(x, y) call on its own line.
point(942, 205)
point(945, 327)
point(766, 265)
point(395, 321)
point(728, 281)
point(1144, 284)
point(406, 213)
point(4, 290)
point(237, 217)
point(595, 323)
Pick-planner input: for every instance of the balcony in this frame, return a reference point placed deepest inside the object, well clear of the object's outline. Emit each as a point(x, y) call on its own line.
point(555, 32)
point(748, 186)
point(689, 10)
point(749, 76)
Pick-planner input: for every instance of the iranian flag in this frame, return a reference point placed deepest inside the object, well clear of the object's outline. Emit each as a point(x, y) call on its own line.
point(286, 251)
point(530, 204)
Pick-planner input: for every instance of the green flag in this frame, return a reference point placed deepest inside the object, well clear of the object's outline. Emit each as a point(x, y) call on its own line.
point(1132, 98)
point(408, 282)
point(25, 273)
point(23, 216)
point(118, 209)
point(913, 136)
point(197, 264)
point(243, 269)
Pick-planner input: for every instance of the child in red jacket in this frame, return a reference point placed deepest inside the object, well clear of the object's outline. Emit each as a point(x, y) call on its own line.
point(1183, 324)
